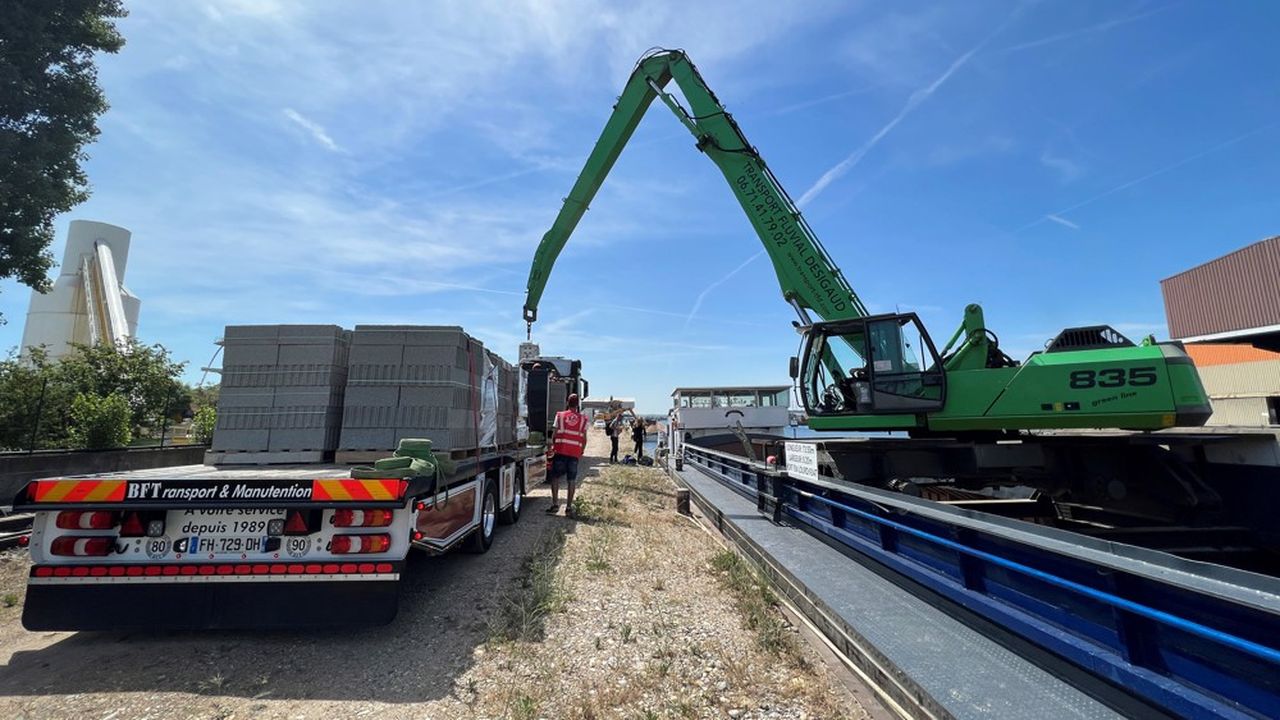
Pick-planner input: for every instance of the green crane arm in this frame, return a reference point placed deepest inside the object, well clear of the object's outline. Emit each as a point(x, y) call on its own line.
point(810, 280)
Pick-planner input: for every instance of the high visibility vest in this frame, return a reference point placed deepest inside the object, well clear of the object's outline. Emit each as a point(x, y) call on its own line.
point(571, 433)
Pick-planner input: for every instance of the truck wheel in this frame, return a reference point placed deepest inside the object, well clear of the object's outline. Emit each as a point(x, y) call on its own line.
point(511, 515)
point(482, 538)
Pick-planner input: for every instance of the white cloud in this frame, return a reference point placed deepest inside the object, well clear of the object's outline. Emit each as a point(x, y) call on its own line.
point(313, 128)
point(1066, 168)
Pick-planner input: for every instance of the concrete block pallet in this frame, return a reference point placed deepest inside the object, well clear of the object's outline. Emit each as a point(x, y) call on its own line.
point(282, 393)
point(410, 381)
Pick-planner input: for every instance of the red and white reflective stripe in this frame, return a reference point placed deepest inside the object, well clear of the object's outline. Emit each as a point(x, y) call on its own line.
point(81, 546)
point(362, 518)
point(78, 520)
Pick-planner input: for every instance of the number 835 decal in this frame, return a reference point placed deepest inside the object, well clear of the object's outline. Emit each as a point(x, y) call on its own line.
point(1113, 377)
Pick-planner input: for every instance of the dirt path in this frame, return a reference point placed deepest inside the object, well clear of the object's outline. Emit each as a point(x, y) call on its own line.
point(623, 613)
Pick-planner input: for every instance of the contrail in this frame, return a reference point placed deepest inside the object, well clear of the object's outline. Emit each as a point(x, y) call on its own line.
point(1062, 221)
point(1100, 27)
point(917, 97)
point(707, 290)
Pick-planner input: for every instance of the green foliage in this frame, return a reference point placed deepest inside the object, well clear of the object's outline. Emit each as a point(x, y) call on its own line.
point(37, 389)
point(99, 422)
point(205, 396)
point(49, 105)
point(202, 425)
point(143, 374)
point(31, 394)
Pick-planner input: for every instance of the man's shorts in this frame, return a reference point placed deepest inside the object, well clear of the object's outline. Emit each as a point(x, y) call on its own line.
point(565, 465)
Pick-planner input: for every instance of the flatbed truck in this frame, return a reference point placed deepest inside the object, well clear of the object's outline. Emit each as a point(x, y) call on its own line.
point(253, 547)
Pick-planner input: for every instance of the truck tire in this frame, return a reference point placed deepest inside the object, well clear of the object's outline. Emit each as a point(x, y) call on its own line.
point(482, 537)
point(511, 515)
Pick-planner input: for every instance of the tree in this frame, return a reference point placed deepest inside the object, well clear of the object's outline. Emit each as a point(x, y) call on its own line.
point(39, 394)
point(100, 423)
point(34, 405)
point(144, 375)
point(49, 105)
point(203, 424)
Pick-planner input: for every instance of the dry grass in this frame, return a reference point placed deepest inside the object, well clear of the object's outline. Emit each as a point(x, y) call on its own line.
point(656, 621)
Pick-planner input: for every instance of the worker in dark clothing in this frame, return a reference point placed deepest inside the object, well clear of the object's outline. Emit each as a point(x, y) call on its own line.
point(613, 428)
point(637, 435)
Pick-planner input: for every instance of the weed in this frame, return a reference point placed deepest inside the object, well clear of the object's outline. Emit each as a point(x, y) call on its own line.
point(626, 633)
point(597, 642)
point(598, 552)
point(9, 600)
point(524, 707)
point(213, 682)
point(686, 708)
point(754, 601)
point(659, 585)
point(540, 592)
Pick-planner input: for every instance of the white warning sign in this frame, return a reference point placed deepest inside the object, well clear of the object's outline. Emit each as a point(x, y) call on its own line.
point(802, 460)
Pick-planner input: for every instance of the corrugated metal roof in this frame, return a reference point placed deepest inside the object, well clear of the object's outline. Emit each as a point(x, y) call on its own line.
point(1207, 354)
point(1238, 291)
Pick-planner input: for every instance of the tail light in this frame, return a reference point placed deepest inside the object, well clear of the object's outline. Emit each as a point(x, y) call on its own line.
point(132, 525)
point(78, 520)
point(362, 518)
point(71, 546)
point(359, 544)
point(296, 523)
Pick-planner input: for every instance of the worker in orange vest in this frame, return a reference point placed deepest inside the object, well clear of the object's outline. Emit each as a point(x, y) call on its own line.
point(568, 440)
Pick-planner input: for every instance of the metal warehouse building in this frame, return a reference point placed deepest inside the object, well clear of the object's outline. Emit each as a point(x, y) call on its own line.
point(1227, 311)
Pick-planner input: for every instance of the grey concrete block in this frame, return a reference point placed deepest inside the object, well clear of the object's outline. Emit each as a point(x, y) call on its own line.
point(314, 354)
point(304, 439)
point(442, 396)
point(376, 354)
point(325, 396)
point(266, 353)
point(372, 395)
point(310, 333)
point(247, 376)
point(436, 355)
point(246, 418)
point(245, 397)
point(308, 376)
point(368, 416)
point(367, 439)
point(242, 440)
point(298, 417)
point(255, 332)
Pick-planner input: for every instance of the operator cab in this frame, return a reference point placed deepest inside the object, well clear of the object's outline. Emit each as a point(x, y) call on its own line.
point(870, 366)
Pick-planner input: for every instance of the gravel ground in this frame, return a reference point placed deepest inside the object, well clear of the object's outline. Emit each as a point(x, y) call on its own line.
point(620, 613)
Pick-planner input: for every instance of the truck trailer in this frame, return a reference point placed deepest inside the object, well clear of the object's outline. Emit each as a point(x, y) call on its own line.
point(253, 547)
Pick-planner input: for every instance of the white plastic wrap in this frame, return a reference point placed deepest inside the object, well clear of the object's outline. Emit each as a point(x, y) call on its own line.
point(489, 404)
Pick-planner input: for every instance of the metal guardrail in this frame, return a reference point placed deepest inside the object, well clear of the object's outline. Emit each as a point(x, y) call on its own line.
point(1196, 646)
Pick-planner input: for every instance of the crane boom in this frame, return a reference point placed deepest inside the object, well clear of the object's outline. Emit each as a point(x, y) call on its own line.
point(858, 371)
point(810, 281)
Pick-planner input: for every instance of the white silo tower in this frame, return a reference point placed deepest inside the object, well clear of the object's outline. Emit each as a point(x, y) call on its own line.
point(89, 303)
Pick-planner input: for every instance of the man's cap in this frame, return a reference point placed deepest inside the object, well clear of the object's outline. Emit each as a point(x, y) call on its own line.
point(573, 397)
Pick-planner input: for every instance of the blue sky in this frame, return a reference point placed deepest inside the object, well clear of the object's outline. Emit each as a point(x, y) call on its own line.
point(391, 162)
